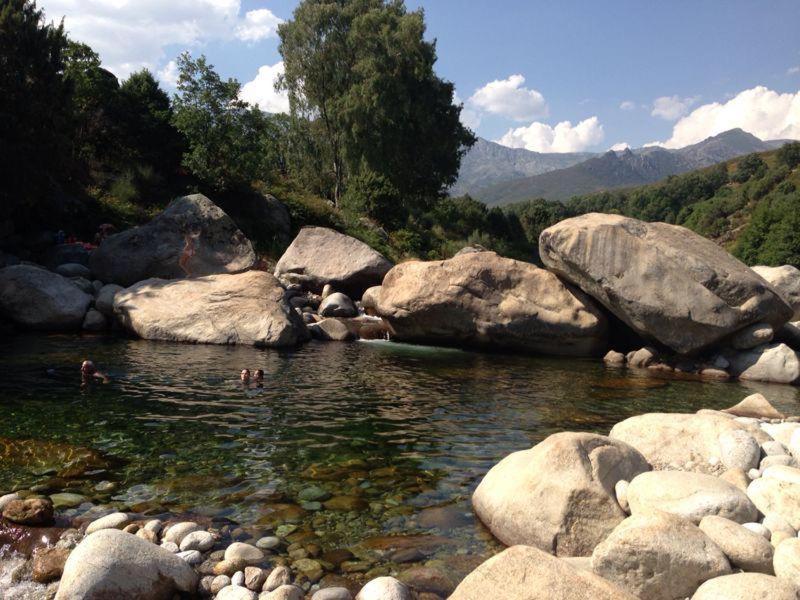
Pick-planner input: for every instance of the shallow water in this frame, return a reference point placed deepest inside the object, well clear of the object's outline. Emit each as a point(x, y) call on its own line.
point(393, 429)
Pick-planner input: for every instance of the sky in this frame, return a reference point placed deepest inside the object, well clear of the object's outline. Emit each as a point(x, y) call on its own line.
point(564, 76)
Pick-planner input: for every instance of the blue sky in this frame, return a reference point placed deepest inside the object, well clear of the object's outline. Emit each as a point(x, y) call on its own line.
point(617, 71)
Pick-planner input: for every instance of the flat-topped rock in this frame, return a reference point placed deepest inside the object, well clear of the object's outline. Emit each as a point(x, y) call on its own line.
point(246, 308)
point(666, 282)
point(154, 250)
point(320, 256)
point(559, 495)
point(485, 300)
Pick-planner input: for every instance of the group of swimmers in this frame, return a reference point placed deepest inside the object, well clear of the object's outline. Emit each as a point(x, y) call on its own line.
point(257, 377)
point(89, 373)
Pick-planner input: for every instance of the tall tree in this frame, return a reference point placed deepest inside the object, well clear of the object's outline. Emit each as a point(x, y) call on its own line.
point(34, 105)
point(362, 72)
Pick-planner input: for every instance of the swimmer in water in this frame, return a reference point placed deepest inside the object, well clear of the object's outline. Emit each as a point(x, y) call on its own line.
point(259, 377)
point(244, 376)
point(89, 373)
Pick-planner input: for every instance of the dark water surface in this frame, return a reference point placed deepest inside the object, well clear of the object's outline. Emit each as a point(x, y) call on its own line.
point(392, 433)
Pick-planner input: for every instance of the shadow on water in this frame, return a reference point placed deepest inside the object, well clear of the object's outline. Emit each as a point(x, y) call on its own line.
point(357, 440)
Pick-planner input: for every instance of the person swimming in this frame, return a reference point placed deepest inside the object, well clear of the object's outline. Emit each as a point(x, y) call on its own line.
point(244, 376)
point(89, 373)
point(259, 376)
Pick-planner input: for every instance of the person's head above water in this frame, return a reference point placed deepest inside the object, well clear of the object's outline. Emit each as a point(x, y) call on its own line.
point(259, 375)
point(245, 375)
point(87, 367)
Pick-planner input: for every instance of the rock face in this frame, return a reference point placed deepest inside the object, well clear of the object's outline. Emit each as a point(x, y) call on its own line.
point(746, 586)
point(691, 496)
point(559, 495)
point(666, 282)
point(658, 556)
point(319, 256)
point(153, 250)
point(247, 308)
point(786, 280)
point(525, 573)
point(482, 299)
point(679, 441)
point(114, 564)
point(38, 299)
point(776, 363)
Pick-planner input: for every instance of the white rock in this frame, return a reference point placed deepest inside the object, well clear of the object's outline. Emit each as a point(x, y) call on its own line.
point(193, 557)
point(776, 363)
point(776, 523)
point(113, 564)
point(235, 592)
point(787, 560)
point(776, 459)
point(238, 578)
point(794, 444)
point(782, 472)
point(250, 554)
point(781, 432)
point(113, 521)
point(170, 547)
point(739, 450)
point(754, 473)
point(774, 448)
point(175, 533)
point(197, 540)
point(746, 586)
point(254, 578)
point(773, 495)
point(219, 582)
point(154, 525)
point(285, 592)
point(385, 588)
point(744, 548)
point(758, 528)
point(621, 490)
point(332, 593)
point(280, 575)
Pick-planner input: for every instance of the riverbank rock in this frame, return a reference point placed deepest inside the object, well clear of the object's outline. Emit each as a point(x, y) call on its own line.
point(691, 496)
point(746, 586)
point(330, 330)
point(786, 281)
point(32, 511)
point(104, 301)
point(745, 549)
point(385, 588)
point(755, 406)
point(667, 283)
point(337, 305)
point(114, 564)
point(658, 556)
point(787, 561)
point(775, 363)
point(247, 308)
point(559, 495)
point(154, 249)
point(482, 299)
point(777, 496)
point(320, 256)
point(35, 298)
point(689, 442)
point(526, 573)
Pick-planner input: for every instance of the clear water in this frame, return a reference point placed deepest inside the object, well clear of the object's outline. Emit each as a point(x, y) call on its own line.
point(395, 429)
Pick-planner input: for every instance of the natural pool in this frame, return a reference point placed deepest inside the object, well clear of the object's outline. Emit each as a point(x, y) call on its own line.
point(351, 441)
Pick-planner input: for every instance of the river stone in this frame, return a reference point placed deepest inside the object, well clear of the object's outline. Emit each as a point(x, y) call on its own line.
point(48, 563)
point(736, 477)
point(332, 593)
point(219, 582)
point(689, 495)
point(787, 561)
point(176, 532)
point(486, 300)
point(745, 549)
point(250, 554)
point(320, 256)
point(758, 528)
point(73, 270)
point(781, 432)
point(746, 586)
point(786, 281)
point(154, 249)
point(193, 557)
point(658, 556)
point(94, 321)
point(777, 496)
point(680, 441)
point(114, 564)
point(559, 495)
point(369, 301)
point(385, 588)
point(254, 578)
point(170, 547)
point(197, 540)
point(280, 575)
point(775, 363)
point(104, 302)
point(614, 358)
point(116, 520)
point(527, 573)
point(235, 592)
point(31, 511)
point(330, 330)
point(755, 406)
point(247, 308)
point(337, 305)
point(269, 542)
point(35, 298)
point(739, 450)
point(666, 282)
point(285, 592)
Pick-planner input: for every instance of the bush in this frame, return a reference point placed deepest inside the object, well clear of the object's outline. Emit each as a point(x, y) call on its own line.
point(789, 154)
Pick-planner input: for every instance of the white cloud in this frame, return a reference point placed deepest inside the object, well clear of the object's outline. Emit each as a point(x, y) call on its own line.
point(169, 74)
point(765, 113)
point(671, 107)
point(509, 98)
point(133, 34)
point(541, 137)
point(620, 146)
point(793, 70)
point(261, 90)
point(257, 25)
point(627, 105)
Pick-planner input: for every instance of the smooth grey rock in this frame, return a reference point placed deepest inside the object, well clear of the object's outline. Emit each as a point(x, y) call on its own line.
point(739, 450)
point(197, 540)
point(104, 302)
point(280, 575)
point(776, 363)
point(116, 520)
point(385, 588)
point(337, 305)
point(94, 321)
point(176, 532)
point(745, 549)
point(250, 554)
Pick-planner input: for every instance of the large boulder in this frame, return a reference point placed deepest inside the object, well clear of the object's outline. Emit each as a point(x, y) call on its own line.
point(689, 442)
point(691, 496)
point(482, 299)
point(786, 281)
point(666, 282)
point(246, 308)
point(659, 556)
point(559, 495)
point(35, 298)
point(747, 586)
point(526, 573)
point(154, 249)
point(775, 363)
point(114, 564)
point(320, 256)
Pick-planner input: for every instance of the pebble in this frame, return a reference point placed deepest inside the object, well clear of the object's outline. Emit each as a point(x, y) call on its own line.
point(178, 531)
point(229, 566)
point(197, 540)
point(268, 542)
point(759, 529)
point(238, 578)
point(621, 490)
point(250, 554)
point(284, 592)
point(6, 499)
point(116, 520)
point(170, 547)
point(739, 450)
point(193, 557)
point(235, 592)
point(254, 578)
point(332, 593)
point(148, 535)
point(773, 448)
point(280, 575)
point(754, 473)
point(219, 582)
point(154, 525)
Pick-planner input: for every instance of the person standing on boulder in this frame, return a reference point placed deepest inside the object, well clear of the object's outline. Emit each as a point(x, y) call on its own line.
point(189, 250)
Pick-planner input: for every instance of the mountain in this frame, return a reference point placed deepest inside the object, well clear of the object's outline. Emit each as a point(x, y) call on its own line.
point(488, 163)
point(622, 169)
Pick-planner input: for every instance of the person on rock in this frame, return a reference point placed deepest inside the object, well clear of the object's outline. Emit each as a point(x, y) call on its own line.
point(89, 373)
point(190, 240)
